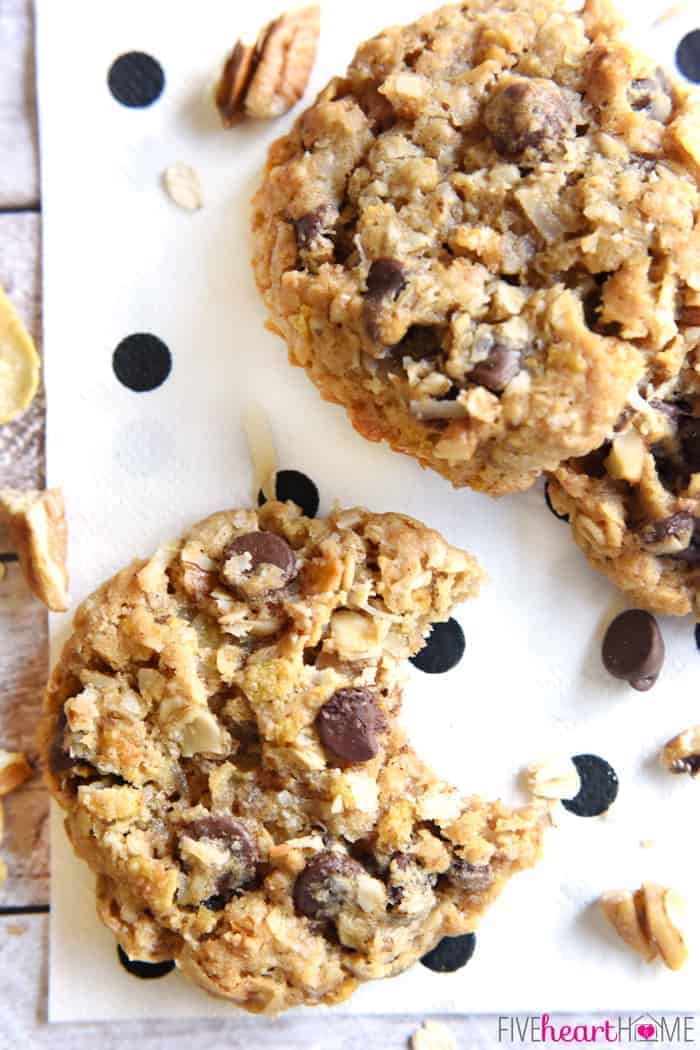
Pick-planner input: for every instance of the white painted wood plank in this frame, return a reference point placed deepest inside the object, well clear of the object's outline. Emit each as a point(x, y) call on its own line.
point(23, 627)
point(19, 170)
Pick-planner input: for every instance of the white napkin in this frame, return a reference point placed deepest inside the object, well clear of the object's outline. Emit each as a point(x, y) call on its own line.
point(136, 468)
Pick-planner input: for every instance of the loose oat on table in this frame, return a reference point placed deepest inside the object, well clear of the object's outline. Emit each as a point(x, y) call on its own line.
point(221, 731)
point(650, 921)
point(266, 79)
point(433, 1035)
point(38, 531)
point(634, 503)
point(554, 778)
point(181, 183)
point(482, 237)
point(19, 363)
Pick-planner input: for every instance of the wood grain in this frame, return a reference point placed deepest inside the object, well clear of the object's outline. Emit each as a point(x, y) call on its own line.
point(23, 623)
point(23, 953)
point(19, 170)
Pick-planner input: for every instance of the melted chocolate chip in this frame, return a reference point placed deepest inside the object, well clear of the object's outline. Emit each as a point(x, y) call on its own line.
point(264, 548)
point(60, 760)
point(594, 463)
point(419, 343)
point(324, 884)
point(670, 535)
point(348, 724)
point(651, 95)
point(234, 837)
point(525, 114)
point(496, 372)
point(689, 433)
point(385, 280)
point(308, 227)
point(633, 649)
point(473, 878)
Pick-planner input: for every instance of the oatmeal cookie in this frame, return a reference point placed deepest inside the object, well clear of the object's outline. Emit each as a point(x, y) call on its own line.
point(443, 237)
point(221, 731)
point(634, 503)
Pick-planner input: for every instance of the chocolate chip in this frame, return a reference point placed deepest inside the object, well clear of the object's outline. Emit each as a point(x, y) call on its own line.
point(385, 280)
point(452, 953)
point(324, 884)
point(496, 372)
point(651, 95)
point(671, 535)
point(217, 901)
point(60, 760)
point(348, 724)
point(420, 342)
point(443, 650)
point(593, 465)
point(147, 971)
point(472, 878)
point(264, 548)
point(234, 837)
point(633, 649)
point(308, 227)
point(599, 786)
point(525, 114)
point(689, 433)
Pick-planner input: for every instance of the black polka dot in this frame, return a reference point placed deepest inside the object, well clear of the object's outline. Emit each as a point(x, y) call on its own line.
point(136, 79)
point(443, 650)
point(297, 487)
point(688, 56)
point(599, 786)
point(145, 970)
point(697, 635)
point(142, 362)
point(562, 517)
point(452, 953)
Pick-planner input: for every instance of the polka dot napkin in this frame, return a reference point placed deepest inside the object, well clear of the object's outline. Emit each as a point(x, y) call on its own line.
point(155, 345)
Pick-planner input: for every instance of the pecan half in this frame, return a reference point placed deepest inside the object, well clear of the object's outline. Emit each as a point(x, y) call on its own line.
point(266, 79)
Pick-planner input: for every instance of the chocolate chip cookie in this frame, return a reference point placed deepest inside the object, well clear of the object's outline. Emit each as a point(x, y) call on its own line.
point(477, 240)
point(634, 504)
point(221, 731)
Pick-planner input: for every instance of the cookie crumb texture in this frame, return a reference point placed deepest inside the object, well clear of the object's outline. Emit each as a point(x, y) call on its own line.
point(479, 240)
point(634, 503)
point(221, 730)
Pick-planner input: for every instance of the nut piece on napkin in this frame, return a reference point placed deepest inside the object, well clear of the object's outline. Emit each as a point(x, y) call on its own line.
point(19, 363)
point(37, 527)
point(682, 754)
point(433, 1035)
point(266, 79)
point(649, 921)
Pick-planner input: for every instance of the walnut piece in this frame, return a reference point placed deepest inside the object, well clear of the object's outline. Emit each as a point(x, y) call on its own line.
point(267, 79)
point(553, 778)
point(433, 1035)
point(37, 527)
point(682, 753)
point(649, 921)
point(14, 770)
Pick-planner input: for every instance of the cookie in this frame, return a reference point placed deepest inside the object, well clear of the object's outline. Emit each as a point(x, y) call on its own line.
point(221, 731)
point(634, 503)
point(476, 240)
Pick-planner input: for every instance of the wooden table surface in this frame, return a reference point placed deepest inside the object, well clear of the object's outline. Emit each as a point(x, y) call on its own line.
point(24, 898)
